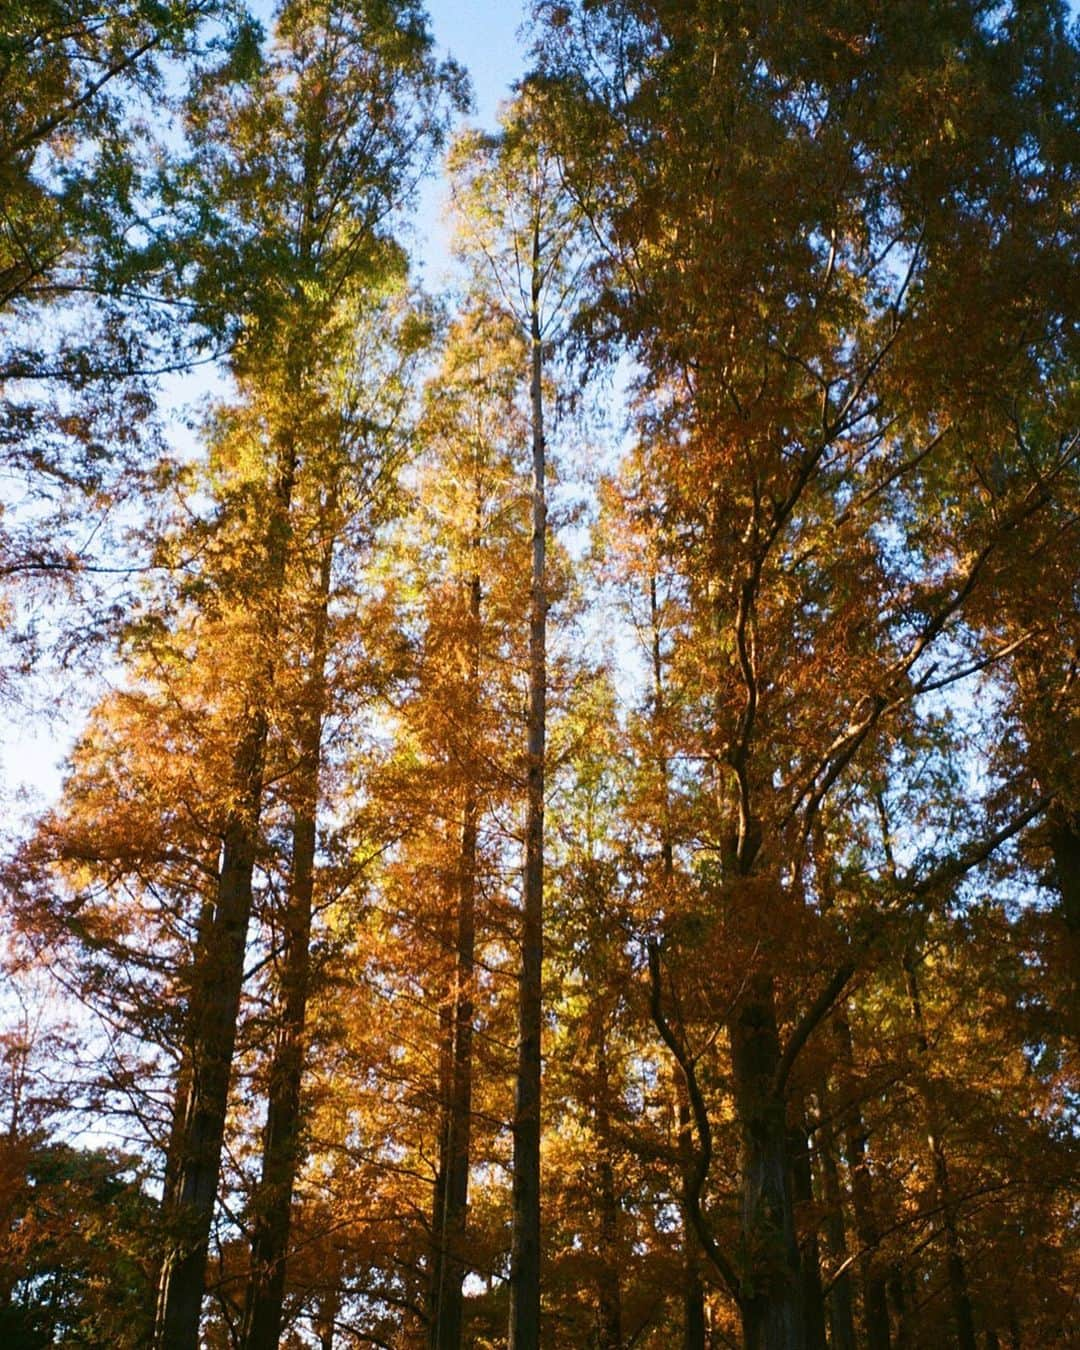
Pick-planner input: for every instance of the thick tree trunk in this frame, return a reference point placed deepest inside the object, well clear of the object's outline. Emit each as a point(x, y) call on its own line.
point(215, 1004)
point(174, 1149)
point(1064, 832)
point(281, 1137)
point(273, 1200)
point(218, 976)
point(901, 1302)
point(525, 1236)
point(772, 1315)
point(437, 1273)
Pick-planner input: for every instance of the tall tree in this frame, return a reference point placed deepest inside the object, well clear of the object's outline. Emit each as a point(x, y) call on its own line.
point(301, 168)
point(342, 502)
point(519, 226)
point(790, 391)
point(468, 493)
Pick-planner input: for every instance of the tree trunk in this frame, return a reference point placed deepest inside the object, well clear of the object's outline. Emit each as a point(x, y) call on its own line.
point(609, 1293)
point(1064, 832)
point(218, 976)
point(813, 1299)
point(328, 1301)
point(525, 1243)
point(450, 1256)
point(281, 1138)
point(693, 1289)
point(898, 1293)
point(215, 1005)
point(875, 1301)
point(437, 1273)
point(841, 1317)
point(959, 1298)
point(772, 1315)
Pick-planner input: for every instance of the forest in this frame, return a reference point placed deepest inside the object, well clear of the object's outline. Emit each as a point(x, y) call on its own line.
point(569, 832)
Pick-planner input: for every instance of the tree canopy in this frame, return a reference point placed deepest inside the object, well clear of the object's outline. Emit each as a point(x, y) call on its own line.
point(572, 832)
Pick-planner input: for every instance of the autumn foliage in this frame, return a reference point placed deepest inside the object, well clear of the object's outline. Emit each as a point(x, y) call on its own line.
point(571, 829)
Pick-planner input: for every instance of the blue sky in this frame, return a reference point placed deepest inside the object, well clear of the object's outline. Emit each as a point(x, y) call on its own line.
point(483, 36)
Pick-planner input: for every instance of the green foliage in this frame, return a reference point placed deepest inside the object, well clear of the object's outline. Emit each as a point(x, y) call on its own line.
point(76, 1233)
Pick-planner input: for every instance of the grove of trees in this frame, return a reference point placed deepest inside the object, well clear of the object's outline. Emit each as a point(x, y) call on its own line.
point(571, 835)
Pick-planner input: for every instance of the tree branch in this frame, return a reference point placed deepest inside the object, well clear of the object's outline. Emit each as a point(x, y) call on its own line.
point(694, 1182)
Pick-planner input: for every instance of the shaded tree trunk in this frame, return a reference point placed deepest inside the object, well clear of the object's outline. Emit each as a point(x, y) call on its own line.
point(281, 1137)
point(609, 1293)
point(959, 1298)
point(1064, 834)
point(214, 1010)
point(450, 1258)
point(218, 976)
point(328, 1302)
point(874, 1295)
point(899, 1294)
point(525, 1227)
point(813, 1299)
point(772, 1314)
point(841, 1316)
point(693, 1288)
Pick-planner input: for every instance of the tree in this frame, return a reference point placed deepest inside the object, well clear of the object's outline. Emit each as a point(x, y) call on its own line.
point(82, 326)
point(329, 131)
point(517, 223)
point(473, 506)
point(786, 269)
point(364, 440)
point(367, 890)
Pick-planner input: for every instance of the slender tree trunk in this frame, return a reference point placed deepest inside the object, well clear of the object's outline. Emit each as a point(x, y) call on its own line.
point(328, 1301)
point(841, 1317)
point(875, 1301)
point(956, 1275)
point(525, 1244)
point(217, 979)
point(609, 1293)
point(281, 1137)
point(772, 1317)
point(693, 1289)
point(450, 1263)
point(813, 1299)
